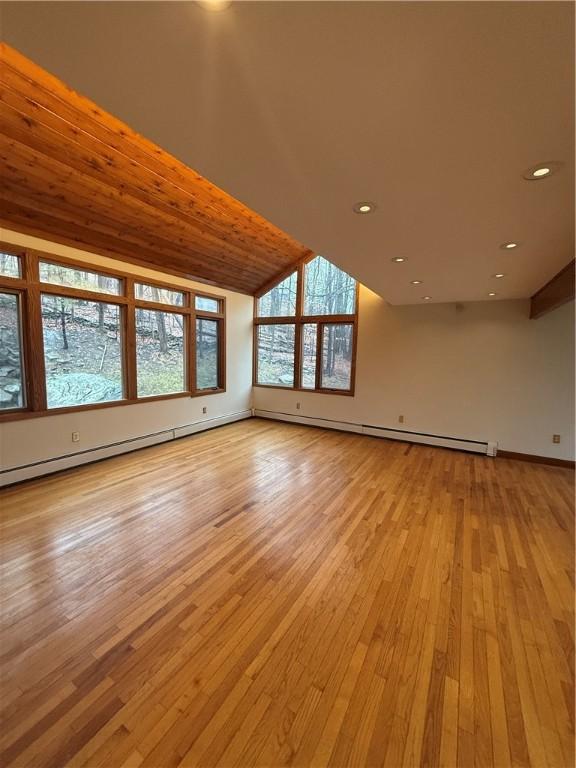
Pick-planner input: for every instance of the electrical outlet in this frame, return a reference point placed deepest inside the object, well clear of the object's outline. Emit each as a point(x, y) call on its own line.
point(298, 406)
point(555, 438)
point(401, 419)
point(204, 410)
point(75, 437)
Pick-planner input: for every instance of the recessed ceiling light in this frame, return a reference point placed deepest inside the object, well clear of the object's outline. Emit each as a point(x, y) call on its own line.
point(416, 282)
point(542, 170)
point(492, 294)
point(398, 259)
point(215, 5)
point(426, 298)
point(509, 246)
point(499, 275)
point(364, 207)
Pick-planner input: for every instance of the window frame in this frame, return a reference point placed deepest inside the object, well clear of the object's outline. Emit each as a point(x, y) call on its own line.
point(30, 289)
point(161, 286)
point(20, 308)
point(299, 319)
point(220, 357)
point(297, 336)
point(122, 333)
point(270, 287)
point(152, 306)
point(60, 288)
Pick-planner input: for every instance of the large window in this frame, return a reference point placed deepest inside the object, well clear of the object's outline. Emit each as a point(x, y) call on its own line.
point(206, 353)
point(276, 354)
point(336, 369)
point(78, 337)
point(305, 330)
point(82, 351)
point(281, 300)
point(160, 353)
point(327, 289)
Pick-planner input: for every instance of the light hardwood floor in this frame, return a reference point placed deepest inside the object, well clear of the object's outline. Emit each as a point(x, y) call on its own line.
point(268, 594)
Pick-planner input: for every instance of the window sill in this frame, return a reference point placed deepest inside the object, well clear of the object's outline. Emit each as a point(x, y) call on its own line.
point(215, 391)
point(343, 392)
point(21, 414)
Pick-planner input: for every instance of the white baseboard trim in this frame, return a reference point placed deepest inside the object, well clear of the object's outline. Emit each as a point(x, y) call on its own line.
point(39, 468)
point(310, 421)
point(487, 448)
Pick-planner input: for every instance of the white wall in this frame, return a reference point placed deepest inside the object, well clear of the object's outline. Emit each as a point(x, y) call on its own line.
point(477, 371)
point(37, 439)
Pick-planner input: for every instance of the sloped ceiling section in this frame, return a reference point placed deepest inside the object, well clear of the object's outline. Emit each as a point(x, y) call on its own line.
point(73, 173)
point(433, 110)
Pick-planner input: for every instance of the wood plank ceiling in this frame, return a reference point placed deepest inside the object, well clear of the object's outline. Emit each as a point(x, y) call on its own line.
point(72, 173)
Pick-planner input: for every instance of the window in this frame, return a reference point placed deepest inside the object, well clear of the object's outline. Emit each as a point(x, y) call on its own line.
point(206, 353)
point(9, 265)
point(276, 354)
point(82, 351)
point(206, 304)
point(336, 368)
point(75, 337)
point(57, 274)
point(160, 356)
point(328, 290)
point(316, 351)
point(281, 300)
point(159, 295)
point(309, 349)
point(11, 378)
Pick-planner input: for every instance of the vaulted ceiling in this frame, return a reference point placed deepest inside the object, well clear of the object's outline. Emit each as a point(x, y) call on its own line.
point(72, 172)
point(432, 110)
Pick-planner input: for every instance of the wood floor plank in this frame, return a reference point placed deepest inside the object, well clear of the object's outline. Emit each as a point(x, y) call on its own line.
point(268, 594)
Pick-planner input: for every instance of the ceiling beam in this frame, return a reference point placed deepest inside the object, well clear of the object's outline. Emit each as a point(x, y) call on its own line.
point(556, 292)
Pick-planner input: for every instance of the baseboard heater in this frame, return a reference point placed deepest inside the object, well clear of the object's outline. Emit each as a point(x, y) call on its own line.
point(487, 448)
point(36, 469)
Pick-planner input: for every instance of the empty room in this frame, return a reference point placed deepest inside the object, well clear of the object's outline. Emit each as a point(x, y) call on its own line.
point(287, 384)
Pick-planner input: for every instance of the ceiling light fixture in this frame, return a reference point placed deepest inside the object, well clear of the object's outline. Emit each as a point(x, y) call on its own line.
point(426, 298)
point(509, 246)
point(398, 259)
point(498, 275)
point(542, 170)
point(416, 282)
point(492, 294)
point(364, 207)
point(215, 5)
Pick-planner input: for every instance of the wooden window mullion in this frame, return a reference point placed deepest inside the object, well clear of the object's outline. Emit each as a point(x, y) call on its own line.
point(297, 354)
point(319, 345)
point(298, 327)
point(192, 350)
point(221, 354)
point(255, 352)
point(34, 367)
point(129, 346)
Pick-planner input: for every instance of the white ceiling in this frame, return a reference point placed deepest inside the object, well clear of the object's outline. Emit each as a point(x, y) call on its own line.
point(432, 110)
